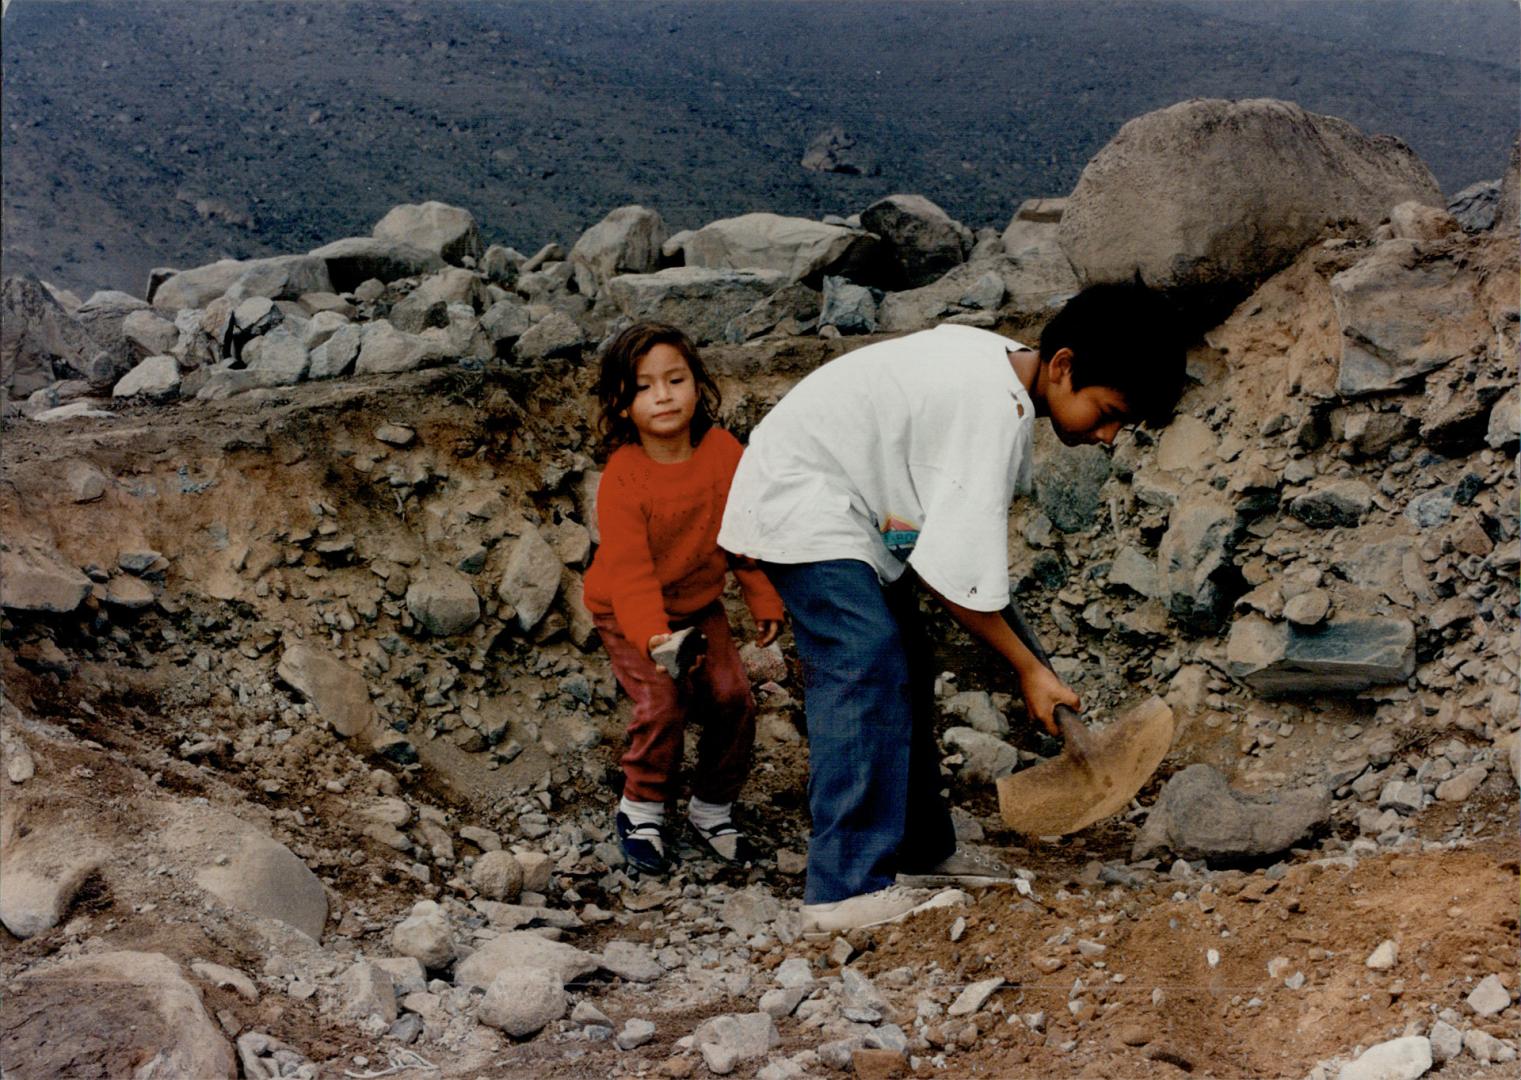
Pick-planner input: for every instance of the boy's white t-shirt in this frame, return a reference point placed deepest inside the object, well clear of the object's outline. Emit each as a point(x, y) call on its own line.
point(906, 452)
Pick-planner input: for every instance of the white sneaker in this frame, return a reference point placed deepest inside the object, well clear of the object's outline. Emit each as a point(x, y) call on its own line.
point(888, 905)
point(969, 869)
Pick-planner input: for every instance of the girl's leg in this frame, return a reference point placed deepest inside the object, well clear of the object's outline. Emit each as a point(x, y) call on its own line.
point(860, 724)
point(655, 731)
point(727, 739)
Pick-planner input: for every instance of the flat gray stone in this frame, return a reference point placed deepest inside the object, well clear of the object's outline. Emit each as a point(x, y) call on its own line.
point(1339, 503)
point(340, 693)
point(1339, 656)
point(1397, 1059)
point(443, 601)
point(34, 577)
point(1199, 815)
point(1490, 997)
point(631, 961)
point(523, 949)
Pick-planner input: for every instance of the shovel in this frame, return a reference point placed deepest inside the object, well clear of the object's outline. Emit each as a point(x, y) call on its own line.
point(1096, 774)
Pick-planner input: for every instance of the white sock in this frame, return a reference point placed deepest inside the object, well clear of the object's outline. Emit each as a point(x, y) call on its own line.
point(706, 815)
point(642, 813)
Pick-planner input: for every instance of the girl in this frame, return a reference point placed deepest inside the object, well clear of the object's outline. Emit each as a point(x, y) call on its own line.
point(659, 570)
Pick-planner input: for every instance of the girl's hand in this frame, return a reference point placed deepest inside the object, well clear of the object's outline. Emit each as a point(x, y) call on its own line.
point(1043, 692)
point(767, 631)
point(655, 643)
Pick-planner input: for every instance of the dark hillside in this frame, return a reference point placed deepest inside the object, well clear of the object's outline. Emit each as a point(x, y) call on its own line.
point(171, 133)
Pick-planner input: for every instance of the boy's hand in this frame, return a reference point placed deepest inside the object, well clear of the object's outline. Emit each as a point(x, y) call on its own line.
point(767, 631)
point(1043, 692)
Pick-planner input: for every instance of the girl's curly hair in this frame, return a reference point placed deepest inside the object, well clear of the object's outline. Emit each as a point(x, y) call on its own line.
point(618, 383)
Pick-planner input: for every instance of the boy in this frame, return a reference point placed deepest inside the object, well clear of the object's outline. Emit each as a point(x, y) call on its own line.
point(906, 454)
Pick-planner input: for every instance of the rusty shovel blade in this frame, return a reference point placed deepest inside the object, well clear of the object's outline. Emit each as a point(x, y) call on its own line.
point(1096, 774)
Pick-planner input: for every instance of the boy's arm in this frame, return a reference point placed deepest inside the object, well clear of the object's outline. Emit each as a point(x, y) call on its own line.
point(1042, 690)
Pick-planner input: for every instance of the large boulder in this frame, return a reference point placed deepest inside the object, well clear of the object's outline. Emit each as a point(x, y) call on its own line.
point(338, 692)
point(112, 1014)
point(357, 259)
point(699, 300)
point(803, 250)
point(40, 342)
point(385, 350)
point(447, 231)
point(1340, 656)
point(627, 241)
point(281, 277)
point(156, 378)
point(1208, 197)
point(925, 241)
point(34, 577)
point(1200, 816)
point(104, 316)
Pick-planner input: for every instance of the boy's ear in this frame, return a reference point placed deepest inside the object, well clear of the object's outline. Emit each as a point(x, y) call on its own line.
point(1059, 367)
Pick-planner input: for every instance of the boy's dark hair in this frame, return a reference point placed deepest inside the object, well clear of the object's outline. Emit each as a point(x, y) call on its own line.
point(617, 384)
point(1126, 336)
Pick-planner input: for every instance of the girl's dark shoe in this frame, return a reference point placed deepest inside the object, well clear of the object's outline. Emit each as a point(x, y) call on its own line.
point(644, 846)
point(724, 842)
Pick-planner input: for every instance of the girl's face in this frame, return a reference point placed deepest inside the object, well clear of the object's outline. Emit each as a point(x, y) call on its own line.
point(666, 396)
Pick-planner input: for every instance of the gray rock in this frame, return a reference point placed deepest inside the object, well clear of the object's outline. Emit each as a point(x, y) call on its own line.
point(1068, 486)
point(1415, 221)
point(1504, 429)
point(322, 327)
point(749, 911)
point(500, 265)
point(505, 321)
point(782, 1001)
point(143, 1017)
point(849, 308)
point(367, 991)
point(631, 961)
point(531, 579)
point(1404, 313)
point(519, 949)
point(277, 359)
point(802, 250)
point(85, 482)
point(1134, 571)
point(407, 974)
point(43, 873)
point(254, 872)
point(557, 334)
point(1309, 609)
point(1486, 1048)
point(40, 342)
point(1431, 508)
point(1211, 196)
point(1446, 1042)
point(1199, 815)
point(497, 875)
point(34, 577)
point(339, 693)
point(1490, 997)
point(977, 709)
point(793, 309)
point(794, 972)
point(1341, 503)
point(150, 332)
point(1401, 796)
point(157, 378)
point(1398, 1059)
point(357, 259)
point(1341, 656)
point(1477, 206)
point(384, 350)
point(443, 601)
point(447, 231)
point(522, 1000)
point(986, 757)
point(974, 996)
point(699, 300)
point(282, 277)
point(1194, 560)
point(742, 1037)
point(424, 936)
point(256, 315)
point(627, 241)
point(924, 240)
point(635, 1033)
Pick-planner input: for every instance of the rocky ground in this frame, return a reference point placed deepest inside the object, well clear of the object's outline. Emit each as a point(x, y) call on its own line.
point(310, 754)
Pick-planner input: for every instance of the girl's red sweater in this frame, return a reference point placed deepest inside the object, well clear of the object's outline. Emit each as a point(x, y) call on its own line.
point(659, 557)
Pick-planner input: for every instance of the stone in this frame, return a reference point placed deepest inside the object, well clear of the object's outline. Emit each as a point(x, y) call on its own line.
point(538, 869)
point(1446, 1042)
point(1504, 429)
point(1338, 503)
point(157, 378)
point(336, 356)
point(500, 265)
point(699, 300)
point(782, 1001)
point(1490, 997)
point(802, 250)
point(1308, 609)
point(749, 911)
point(1134, 571)
point(1485, 1047)
point(742, 1037)
point(322, 327)
point(1194, 563)
point(631, 961)
point(150, 332)
point(1404, 313)
point(40, 342)
point(1043, 278)
point(282, 277)
point(129, 593)
point(339, 693)
point(505, 321)
point(521, 1001)
point(924, 241)
point(1416, 221)
point(74, 410)
point(395, 435)
point(424, 935)
point(277, 359)
point(385, 350)
point(254, 872)
point(1476, 207)
point(128, 1014)
point(977, 709)
point(1340, 656)
point(1199, 815)
point(875, 1063)
point(497, 875)
point(974, 996)
point(1402, 796)
point(443, 601)
point(1384, 957)
point(407, 974)
point(1398, 1059)
point(449, 232)
point(43, 872)
point(226, 978)
point(532, 578)
point(555, 335)
point(34, 577)
point(1208, 197)
point(256, 315)
point(635, 1033)
point(1510, 190)
point(849, 308)
point(627, 241)
point(357, 259)
point(986, 757)
point(1069, 484)
point(367, 991)
point(518, 949)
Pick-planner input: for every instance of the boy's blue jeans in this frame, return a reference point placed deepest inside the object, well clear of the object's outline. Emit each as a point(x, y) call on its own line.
point(873, 769)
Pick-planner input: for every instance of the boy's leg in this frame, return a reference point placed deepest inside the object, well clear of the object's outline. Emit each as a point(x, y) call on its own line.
point(727, 737)
point(655, 731)
point(860, 724)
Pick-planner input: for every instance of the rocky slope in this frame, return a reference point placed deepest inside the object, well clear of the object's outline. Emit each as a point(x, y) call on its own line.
point(308, 745)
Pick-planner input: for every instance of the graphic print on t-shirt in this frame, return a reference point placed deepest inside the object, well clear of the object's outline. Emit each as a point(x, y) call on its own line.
point(900, 536)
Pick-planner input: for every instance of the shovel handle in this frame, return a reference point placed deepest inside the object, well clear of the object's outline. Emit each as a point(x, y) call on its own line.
point(1074, 735)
